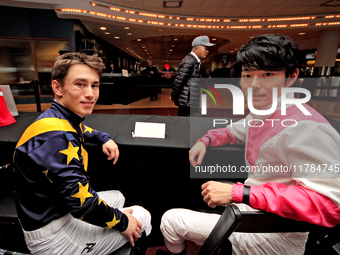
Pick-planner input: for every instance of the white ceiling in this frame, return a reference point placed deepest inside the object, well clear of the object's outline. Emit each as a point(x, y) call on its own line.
point(158, 40)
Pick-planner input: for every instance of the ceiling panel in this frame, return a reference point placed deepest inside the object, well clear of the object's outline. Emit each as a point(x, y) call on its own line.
point(134, 4)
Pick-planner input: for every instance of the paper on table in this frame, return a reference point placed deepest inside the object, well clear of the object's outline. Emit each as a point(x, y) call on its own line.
point(149, 130)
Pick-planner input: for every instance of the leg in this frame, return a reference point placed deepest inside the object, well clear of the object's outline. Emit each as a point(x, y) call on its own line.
point(178, 225)
point(77, 237)
point(113, 198)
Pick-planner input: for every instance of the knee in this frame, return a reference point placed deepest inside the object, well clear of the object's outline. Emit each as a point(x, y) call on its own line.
point(120, 198)
point(170, 221)
point(144, 216)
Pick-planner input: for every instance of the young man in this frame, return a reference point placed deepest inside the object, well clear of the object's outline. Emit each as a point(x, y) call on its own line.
point(184, 93)
point(58, 210)
point(267, 62)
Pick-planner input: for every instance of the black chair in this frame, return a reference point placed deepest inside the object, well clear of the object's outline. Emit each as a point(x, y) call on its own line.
point(321, 240)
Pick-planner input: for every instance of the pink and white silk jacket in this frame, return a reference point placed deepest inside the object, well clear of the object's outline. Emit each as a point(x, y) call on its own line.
point(307, 188)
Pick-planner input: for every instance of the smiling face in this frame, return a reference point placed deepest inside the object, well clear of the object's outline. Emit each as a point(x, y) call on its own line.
point(80, 90)
point(262, 83)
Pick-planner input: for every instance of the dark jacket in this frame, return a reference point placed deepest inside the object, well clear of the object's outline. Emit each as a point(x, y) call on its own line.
point(185, 91)
point(51, 173)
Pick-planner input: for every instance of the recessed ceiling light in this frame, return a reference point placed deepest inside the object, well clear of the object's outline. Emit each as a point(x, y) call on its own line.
point(107, 33)
point(129, 33)
point(170, 49)
point(102, 28)
point(214, 39)
point(175, 39)
point(116, 37)
point(138, 40)
point(172, 45)
point(302, 33)
point(126, 28)
point(143, 46)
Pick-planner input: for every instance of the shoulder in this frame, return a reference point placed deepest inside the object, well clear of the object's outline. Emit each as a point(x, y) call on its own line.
point(45, 127)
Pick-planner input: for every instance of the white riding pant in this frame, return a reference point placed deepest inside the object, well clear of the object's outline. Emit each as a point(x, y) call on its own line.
point(68, 235)
point(178, 225)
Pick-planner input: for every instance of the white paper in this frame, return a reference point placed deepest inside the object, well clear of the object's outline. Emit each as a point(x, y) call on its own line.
point(149, 130)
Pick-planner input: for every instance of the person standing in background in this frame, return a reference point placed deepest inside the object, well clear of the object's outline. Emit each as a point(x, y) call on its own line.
point(184, 94)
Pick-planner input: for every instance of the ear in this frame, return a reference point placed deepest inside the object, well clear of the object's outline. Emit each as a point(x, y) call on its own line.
point(292, 77)
point(56, 87)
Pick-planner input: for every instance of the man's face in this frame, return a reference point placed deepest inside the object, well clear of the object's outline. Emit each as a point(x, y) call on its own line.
point(80, 90)
point(201, 51)
point(262, 82)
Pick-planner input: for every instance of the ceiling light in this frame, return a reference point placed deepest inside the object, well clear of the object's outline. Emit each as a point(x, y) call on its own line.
point(302, 33)
point(126, 28)
point(172, 4)
point(116, 37)
point(175, 39)
point(102, 28)
point(173, 46)
point(214, 39)
point(129, 33)
point(138, 40)
point(107, 33)
point(170, 49)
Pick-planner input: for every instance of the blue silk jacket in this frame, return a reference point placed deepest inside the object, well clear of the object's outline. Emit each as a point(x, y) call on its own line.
point(50, 173)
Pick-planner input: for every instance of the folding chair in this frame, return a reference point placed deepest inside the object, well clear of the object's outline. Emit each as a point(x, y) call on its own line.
point(322, 239)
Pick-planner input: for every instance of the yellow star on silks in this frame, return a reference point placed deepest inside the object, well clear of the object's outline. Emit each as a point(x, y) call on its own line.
point(85, 157)
point(88, 129)
point(71, 152)
point(112, 223)
point(83, 193)
point(101, 200)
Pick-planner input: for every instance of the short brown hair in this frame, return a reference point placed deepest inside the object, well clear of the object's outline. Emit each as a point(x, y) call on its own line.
point(63, 63)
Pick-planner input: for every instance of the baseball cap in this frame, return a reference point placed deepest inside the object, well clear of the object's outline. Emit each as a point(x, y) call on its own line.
point(202, 40)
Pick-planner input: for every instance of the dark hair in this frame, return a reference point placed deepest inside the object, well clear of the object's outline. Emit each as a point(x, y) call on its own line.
point(273, 52)
point(63, 63)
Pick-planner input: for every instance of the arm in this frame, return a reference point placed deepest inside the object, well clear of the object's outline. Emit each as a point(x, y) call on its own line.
point(66, 177)
point(183, 75)
point(315, 197)
point(216, 137)
point(110, 148)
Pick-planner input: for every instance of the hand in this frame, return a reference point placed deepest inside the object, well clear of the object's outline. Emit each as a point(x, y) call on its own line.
point(197, 153)
point(110, 148)
point(217, 193)
point(132, 232)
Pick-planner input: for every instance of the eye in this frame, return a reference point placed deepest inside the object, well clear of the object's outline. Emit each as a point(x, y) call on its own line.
point(95, 85)
point(80, 84)
point(246, 76)
point(268, 74)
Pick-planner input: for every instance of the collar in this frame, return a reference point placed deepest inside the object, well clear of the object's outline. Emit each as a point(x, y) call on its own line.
point(72, 117)
point(290, 95)
point(197, 58)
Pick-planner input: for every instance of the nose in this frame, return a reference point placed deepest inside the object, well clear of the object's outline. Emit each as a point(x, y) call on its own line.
point(255, 83)
point(89, 92)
